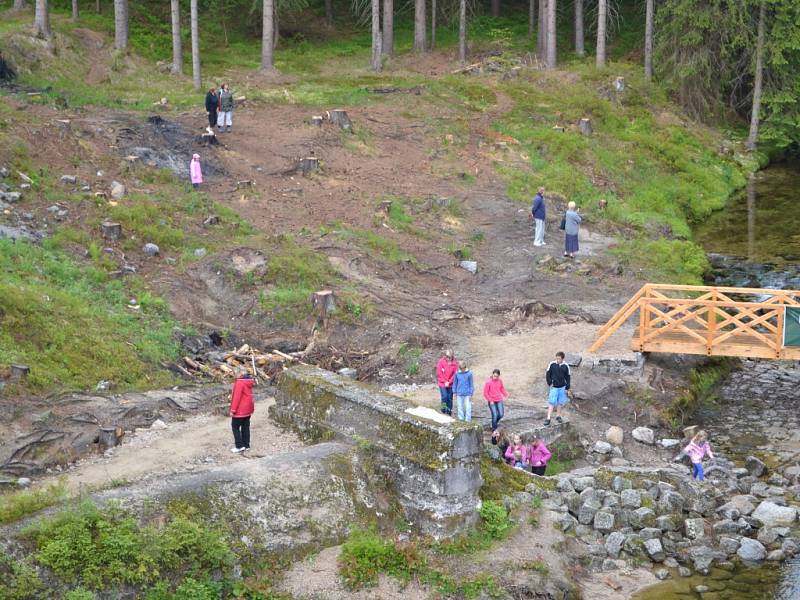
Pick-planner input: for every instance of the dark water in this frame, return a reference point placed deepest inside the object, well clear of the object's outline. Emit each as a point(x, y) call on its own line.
point(753, 242)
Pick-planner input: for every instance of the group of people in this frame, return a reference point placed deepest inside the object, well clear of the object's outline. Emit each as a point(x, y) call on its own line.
point(532, 457)
point(570, 224)
point(456, 381)
point(219, 106)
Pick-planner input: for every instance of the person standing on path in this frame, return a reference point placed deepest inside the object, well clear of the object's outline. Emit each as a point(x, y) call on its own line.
point(196, 171)
point(212, 103)
point(558, 379)
point(538, 456)
point(446, 370)
point(538, 215)
point(697, 450)
point(572, 224)
point(225, 118)
point(242, 409)
point(494, 392)
point(464, 388)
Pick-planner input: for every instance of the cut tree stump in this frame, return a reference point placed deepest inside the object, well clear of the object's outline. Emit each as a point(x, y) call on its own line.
point(323, 302)
point(207, 139)
point(109, 437)
point(339, 117)
point(385, 206)
point(111, 230)
point(585, 126)
point(560, 128)
point(317, 120)
point(308, 164)
point(20, 371)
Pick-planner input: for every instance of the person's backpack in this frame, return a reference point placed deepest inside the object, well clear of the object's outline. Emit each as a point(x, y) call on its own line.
point(563, 225)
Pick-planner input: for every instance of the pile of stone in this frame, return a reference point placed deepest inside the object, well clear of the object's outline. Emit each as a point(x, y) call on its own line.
point(662, 516)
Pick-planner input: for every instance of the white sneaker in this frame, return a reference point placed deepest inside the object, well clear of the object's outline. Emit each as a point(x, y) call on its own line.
point(537, 244)
point(237, 450)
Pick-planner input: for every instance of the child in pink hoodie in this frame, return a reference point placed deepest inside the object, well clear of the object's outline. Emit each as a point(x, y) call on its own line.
point(696, 451)
point(495, 394)
point(195, 171)
point(517, 454)
point(538, 457)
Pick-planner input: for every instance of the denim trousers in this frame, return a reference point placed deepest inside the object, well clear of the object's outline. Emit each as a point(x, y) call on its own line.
point(498, 410)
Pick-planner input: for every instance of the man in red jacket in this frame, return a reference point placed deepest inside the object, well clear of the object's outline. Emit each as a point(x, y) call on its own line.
point(242, 408)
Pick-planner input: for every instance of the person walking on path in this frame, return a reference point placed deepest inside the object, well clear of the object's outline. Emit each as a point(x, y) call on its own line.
point(242, 408)
point(494, 392)
point(196, 171)
point(538, 214)
point(538, 456)
point(225, 118)
point(572, 224)
point(558, 378)
point(696, 451)
point(212, 104)
point(464, 388)
point(446, 370)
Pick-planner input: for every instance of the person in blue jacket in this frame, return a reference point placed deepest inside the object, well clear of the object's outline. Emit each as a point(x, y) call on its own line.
point(463, 388)
point(538, 214)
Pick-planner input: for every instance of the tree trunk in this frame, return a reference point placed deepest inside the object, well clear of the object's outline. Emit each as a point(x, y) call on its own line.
point(276, 26)
point(388, 27)
point(177, 50)
point(541, 38)
point(419, 25)
point(752, 139)
point(602, 10)
point(19, 5)
point(75, 10)
point(551, 34)
point(433, 24)
point(41, 20)
point(462, 31)
point(121, 24)
point(97, 6)
point(495, 8)
point(196, 77)
point(267, 30)
point(648, 40)
point(579, 45)
point(531, 17)
point(329, 13)
point(376, 35)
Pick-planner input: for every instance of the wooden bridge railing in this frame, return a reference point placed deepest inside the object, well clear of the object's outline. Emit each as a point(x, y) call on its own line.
point(715, 321)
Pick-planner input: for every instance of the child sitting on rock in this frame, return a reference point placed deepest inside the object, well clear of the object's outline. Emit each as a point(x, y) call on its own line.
point(500, 439)
point(696, 451)
point(517, 454)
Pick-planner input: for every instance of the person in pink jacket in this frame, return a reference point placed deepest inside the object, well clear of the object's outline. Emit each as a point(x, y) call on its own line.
point(538, 455)
point(495, 394)
point(517, 454)
point(696, 451)
point(195, 171)
point(446, 370)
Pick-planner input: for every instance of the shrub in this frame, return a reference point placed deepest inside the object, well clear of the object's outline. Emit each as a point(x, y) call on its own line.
point(365, 555)
point(495, 519)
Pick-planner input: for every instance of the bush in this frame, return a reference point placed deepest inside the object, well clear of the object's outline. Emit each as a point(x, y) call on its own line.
point(365, 555)
point(495, 519)
point(14, 506)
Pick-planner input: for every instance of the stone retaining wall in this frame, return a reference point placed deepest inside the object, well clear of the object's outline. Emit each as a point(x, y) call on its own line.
point(433, 467)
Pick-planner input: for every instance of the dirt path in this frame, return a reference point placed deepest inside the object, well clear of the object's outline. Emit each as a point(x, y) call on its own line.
point(193, 444)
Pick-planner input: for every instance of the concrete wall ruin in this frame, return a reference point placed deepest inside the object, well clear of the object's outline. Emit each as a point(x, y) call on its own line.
point(433, 467)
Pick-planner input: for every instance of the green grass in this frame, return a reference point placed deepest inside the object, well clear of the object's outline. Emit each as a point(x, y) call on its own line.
point(72, 324)
point(495, 525)
point(409, 357)
point(370, 240)
point(18, 505)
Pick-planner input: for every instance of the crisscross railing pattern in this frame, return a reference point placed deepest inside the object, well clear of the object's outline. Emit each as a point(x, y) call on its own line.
point(715, 321)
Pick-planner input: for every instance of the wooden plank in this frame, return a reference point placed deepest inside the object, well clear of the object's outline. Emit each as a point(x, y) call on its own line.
point(723, 289)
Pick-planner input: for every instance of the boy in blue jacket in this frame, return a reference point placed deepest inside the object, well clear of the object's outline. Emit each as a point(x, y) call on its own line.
point(463, 388)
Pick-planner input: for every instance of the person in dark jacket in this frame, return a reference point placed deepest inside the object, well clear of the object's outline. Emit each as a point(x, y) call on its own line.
point(242, 409)
point(558, 378)
point(212, 102)
point(538, 215)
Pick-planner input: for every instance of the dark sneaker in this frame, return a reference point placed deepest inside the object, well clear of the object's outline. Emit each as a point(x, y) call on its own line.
point(546, 422)
point(559, 419)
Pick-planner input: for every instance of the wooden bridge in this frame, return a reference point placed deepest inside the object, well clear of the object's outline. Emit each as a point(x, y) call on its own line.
point(714, 321)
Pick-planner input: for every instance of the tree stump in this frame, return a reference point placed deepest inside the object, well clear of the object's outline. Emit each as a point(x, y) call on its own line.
point(207, 139)
point(339, 117)
point(585, 126)
point(560, 128)
point(109, 437)
point(317, 120)
point(20, 371)
point(323, 302)
point(385, 206)
point(308, 164)
point(110, 230)
point(603, 204)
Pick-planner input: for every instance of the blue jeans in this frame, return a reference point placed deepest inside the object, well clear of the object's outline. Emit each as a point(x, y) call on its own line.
point(697, 471)
point(464, 408)
point(497, 410)
point(446, 394)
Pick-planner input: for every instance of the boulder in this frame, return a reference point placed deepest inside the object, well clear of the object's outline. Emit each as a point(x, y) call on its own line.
point(614, 543)
point(695, 529)
point(669, 443)
point(634, 545)
point(644, 435)
point(751, 550)
point(642, 517)
point(631, 498)
point(601, 447)
point(581, 483)
point(69, 179)
point(670, 502)
point(151, 249)
point(742, 505)
point(603, 521)
point(611, 500)
point(615, 435)
point(654, 549)
point(702, 558)
point(620, 483)
point(726, 526)
point(649, 533)
point(587, 511)
point(755, 466)
point(767, 535)
point(118, 190)
point(772, 515)
point(684, 572)
point(668, 522)
point(776, 556)
point(728, 545)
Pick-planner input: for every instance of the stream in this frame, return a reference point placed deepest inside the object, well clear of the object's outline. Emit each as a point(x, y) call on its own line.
point(754, 242)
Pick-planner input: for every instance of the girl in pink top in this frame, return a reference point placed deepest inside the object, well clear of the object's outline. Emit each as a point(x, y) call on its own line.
point(196, 171)
point(517, 454)
point(538, 457)
point(495, 394)
point(696, 450)
point(446, 370)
